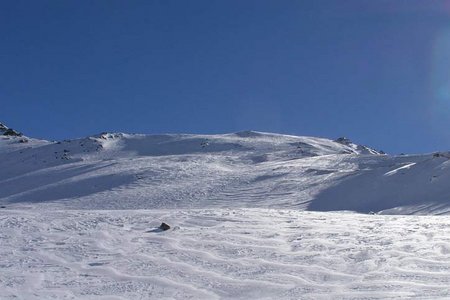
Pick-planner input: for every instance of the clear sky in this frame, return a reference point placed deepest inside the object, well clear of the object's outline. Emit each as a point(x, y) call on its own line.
point(376, 71)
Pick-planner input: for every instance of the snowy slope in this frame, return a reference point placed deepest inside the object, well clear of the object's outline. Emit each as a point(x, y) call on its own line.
point(245, 169)
point(253, 216)
point(222, 254)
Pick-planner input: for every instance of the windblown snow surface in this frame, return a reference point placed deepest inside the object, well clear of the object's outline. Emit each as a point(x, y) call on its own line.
point(253, 216)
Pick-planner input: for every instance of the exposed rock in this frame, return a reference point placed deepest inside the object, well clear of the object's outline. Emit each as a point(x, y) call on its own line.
point(361, 149)
point(343, 140)
point(164, 226)
point(442, 154)
point(12, 132)
point(5, 130)
point(205, 143)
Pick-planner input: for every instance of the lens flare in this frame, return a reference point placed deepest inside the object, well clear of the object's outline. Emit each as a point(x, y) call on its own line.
point(440, 72)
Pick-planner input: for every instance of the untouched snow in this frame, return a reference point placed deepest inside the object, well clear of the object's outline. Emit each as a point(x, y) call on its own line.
point(254, 216)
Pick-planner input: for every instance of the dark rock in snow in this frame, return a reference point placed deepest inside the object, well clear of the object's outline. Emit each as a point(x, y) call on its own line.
point(164, 226)
point(343, 140)
point(11, 132)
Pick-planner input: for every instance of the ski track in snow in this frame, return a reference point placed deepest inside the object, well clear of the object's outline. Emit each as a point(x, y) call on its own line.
point(245, 169)
point(222, 253)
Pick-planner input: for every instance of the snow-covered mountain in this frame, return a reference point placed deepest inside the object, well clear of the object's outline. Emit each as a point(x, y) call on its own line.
point(252, 215)
point(244, 169)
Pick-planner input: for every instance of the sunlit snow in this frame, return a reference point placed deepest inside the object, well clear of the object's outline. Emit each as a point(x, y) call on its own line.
point(253, 215)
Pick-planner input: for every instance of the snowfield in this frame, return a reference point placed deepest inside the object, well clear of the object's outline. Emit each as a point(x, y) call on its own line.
point(253, 216)
point(222, 254)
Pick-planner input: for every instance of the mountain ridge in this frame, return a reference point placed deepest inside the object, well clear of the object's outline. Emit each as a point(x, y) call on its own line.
point(243, 169)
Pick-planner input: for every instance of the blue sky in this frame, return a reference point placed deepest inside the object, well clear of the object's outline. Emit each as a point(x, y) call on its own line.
point(377, 72)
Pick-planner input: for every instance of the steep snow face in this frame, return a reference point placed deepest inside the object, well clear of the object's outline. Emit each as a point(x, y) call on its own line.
point(392, 185)
point(245, 169)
